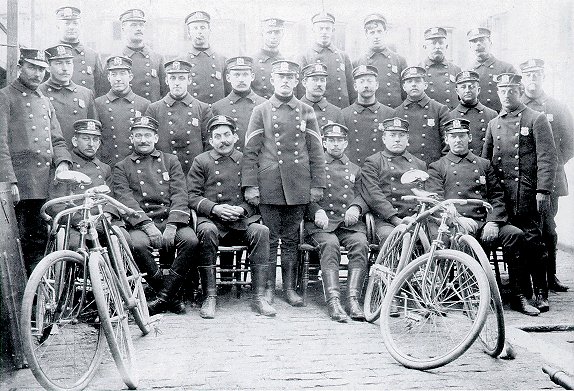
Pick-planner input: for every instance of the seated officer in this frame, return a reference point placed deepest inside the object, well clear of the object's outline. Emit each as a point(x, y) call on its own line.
point(381, 186)
point(223, 217)
point(152, 182)
point(335, 221)
point(462, 174)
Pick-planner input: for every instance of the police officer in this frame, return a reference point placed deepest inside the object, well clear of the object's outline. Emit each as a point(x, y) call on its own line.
point(242, 99)
point(440, 72)
point(487, 66)
point(283, 170)
point(562, 125)
point(464, 175)
point(34, 147)
point(71, 101)
point(208, 65)
point(470, 108)
point(117, 109)
point(365, 117)
point(389, 64)
point(152, 183)
point(315, 82)
point(182, 118)
point(88, 68)
point(272, 30)
point(334, 221)
point(381, 186)
point(520, 146)
point(339, 90)
point(147, 65)
point(214, 185)
point(426, 116)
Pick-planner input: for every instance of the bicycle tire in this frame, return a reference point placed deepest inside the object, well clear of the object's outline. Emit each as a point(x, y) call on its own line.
point(114, 318)
point(432, 329)
point(62, 337)
point(493, 334)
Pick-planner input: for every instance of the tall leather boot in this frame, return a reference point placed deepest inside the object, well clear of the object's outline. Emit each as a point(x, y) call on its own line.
point(207, 275)
point(166, 297)
point(259, 279)
point(156, 281)
point(289, 273)
point(355, 283)
point(332, 295)
point(519, 302)
point(271, 281)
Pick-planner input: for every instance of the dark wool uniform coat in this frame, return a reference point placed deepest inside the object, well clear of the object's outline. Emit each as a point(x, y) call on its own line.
point(262, 61)
point(116, 114)
point(88, 69)
point(148, 71)
point(33, 137)
point(389, 65)
point(283, 152)
point(521, 148)
point(365, 126)
point(488, 71)
point(207, 74)
point(182, 127)
point(326, 112)
point(441, 79)
point(479, 117)
point(71, 103)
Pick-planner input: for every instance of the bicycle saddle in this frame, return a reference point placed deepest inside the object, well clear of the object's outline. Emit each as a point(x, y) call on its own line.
point(73, 177)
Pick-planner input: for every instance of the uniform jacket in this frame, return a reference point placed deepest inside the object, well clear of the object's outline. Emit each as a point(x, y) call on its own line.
point(116, 113)
point(342, 192)
point(240, 109)
point(441, 79)
point(283, 152)
point(365, 126)
point(153, 184)
point(88, 69)
point(521, 148)
point(390, 65)
point(182, 127)
point(149, 73)
point(381, 186)
point(563, 131)
point(6, 170)
point(426, 127)
point(479, 117)
point(326, 112)
point(208, 75)
point(71, 103)
point(34, 140)
point(468, 177)
point(262, 61)
point(488, 70)
point(340, 90)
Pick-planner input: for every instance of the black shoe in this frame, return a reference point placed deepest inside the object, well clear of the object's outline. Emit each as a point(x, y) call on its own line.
point(555, 285)
point(207, 310)
point(177, 306)
point(521, 304)
point(157, 306)
point(336, 311)
point(541, 303)
point(355, 310)
point(293, 298)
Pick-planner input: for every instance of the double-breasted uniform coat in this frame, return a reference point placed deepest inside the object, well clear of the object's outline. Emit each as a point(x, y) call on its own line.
point(479, 116)
point(325, 111)
point(208, 75)
point(148, 71)
point(441, 79)
point(262, 61)
point(488, 70)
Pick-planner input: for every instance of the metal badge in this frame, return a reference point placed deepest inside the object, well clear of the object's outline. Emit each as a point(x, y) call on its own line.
point(195, 122)
point(218, 75)
point(153, 73)
point(82, 103)
point(89, 70)
point(430, 122)
point(482, 180)
point(394, 69)
point(165, 176)
point(550, 117)
point(524, 131)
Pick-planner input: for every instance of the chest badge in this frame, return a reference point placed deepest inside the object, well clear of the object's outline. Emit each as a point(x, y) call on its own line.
point(452, 78)
point(395, 69)
point(165, 176)
point(524, 131)
point(342, 67)
point(138, 113)
point(195, 122)
point(352, 178)
point(550, 117)
point(482, 180)
point(89, 70)
point(154, 73)
point(81, 103)
point(430, 122)
point(218, 75)
point(303, 125)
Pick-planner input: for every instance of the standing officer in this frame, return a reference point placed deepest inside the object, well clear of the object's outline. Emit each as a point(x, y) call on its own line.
point(223, 217)
point(208, 66)
point(71, 101)
point(334, 221)
point(117, 109)
point(242, 99)
point(520, 146)
point(88, 68)
point(462, 174)
point(381, 186)
point(339, 90)
point(470, 108)
point(426, 116)
point(562, 125)
point(487, 66)
point(272, 32)
point(441, 73)
point(152, 183)
point(389, 64)
point(283, 170)
point(365, 117)
point(182, 118)
point(34, 147)
point(147, 65)
point(315, 82)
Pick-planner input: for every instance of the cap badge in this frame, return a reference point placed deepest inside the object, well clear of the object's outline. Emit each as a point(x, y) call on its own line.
point(176, 65)
point(318, 68)
point(504, 79)
point(336, 129)
point(67, 12)
point(532, 63)
point(138, 13)
point(40, 55)
point(240, 61)
point(362, 68)
point(91, 125)
point(272, 22)
point(117, 61)
point(61, 50)
point(284, 66)
point(434, 30)
point(475, 32)
point(144, 121)
point(221, 118)
point(396, 122)
point(456, 123)
point(465, 74)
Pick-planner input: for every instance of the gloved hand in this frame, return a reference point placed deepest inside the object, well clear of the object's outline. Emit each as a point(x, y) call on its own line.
point(490, 231)
point(252, 195)
point(352, 215)
point(467, 224)
point(15, 193)
point(321, 219)
point(154, 235)
point(169, 235)
point(543, 203)
point(316, 194)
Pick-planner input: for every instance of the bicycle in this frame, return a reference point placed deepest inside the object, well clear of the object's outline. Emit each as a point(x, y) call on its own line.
point(72, 297)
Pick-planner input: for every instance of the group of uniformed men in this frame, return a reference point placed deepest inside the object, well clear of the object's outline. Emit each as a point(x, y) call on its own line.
point(253, 151)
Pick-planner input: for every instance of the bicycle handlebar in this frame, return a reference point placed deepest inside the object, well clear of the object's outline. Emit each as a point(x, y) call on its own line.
point(438, 205)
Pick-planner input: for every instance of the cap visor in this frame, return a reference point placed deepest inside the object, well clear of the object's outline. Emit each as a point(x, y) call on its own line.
point(36, 62)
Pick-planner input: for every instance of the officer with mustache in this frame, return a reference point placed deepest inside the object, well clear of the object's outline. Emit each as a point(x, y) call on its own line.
point(315, 83)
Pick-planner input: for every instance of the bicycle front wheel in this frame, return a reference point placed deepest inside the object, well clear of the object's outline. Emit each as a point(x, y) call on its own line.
point(61, 333)
point(114, 318)
point(432, 295)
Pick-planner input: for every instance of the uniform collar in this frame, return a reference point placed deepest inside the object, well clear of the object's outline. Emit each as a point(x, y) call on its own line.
point(112, 97)
point(385, 52)
point(17, 84)
point(235, 155)
point(136, 156)
point(130, 52)
point(276, 102)
point(471, 157)
point(513, 113)
point(196, 52)
point(86, 159)
point(488, 62)
point(360, 108)
point(319, 48)
point(465, 109)
point(187, 99)
point(71, 87)
point(421, 102)
point(322, 103)
point(234, 97)
point(330, 159)
point(540, 100)
point(79, 47)
point(267, 54)
point(427, 63)
point(406, 154)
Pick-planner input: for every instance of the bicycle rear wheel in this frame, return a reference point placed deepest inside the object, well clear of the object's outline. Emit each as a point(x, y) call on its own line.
point(61, 333)
point(114, 318)
point(432, 296)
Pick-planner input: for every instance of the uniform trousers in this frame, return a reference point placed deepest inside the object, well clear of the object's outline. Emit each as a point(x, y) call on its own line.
point(549, 235)
point(329, 244)
point(33, 231)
